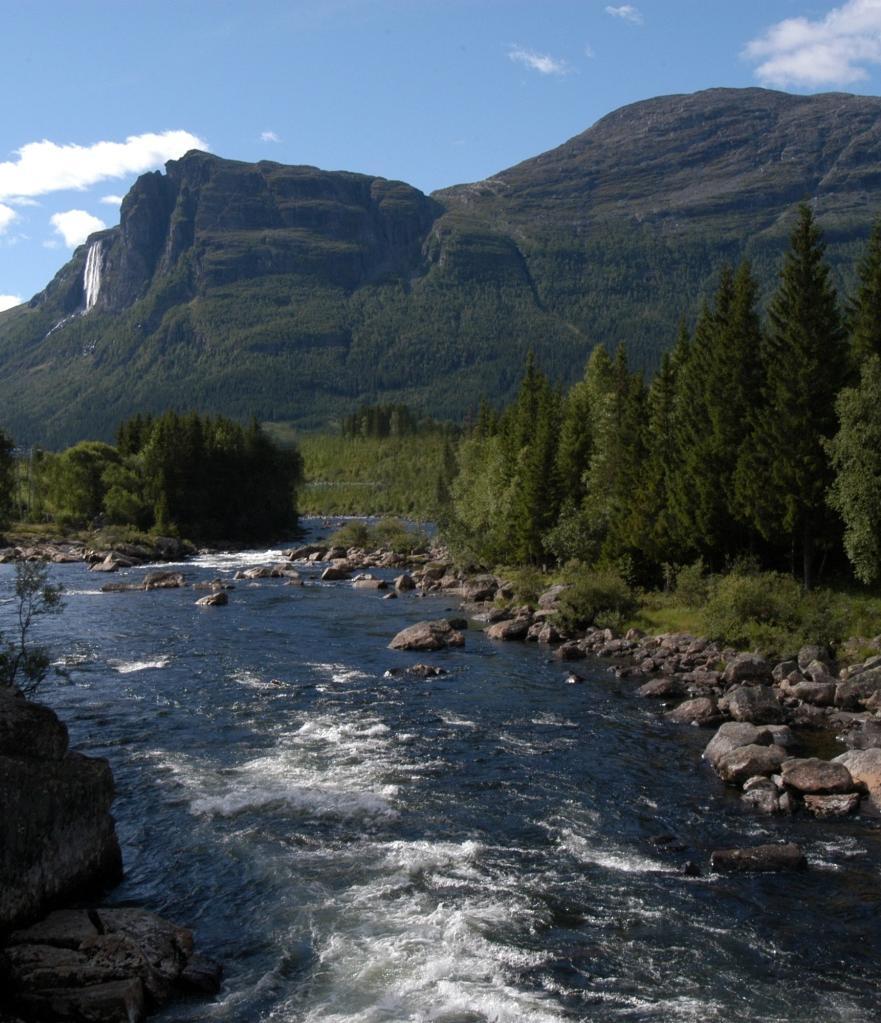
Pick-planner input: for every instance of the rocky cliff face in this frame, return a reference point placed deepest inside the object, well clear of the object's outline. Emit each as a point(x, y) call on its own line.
point(57, 837)
point(292, 293)
point(218, 221)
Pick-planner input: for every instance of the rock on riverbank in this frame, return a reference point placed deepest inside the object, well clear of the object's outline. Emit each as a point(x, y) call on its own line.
point(58, 837)
point(58, 843)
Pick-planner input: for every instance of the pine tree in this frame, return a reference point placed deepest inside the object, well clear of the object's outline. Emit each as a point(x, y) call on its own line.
point(784, 474)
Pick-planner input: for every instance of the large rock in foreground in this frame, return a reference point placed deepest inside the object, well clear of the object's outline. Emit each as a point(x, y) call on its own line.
point(109, 965)
point(428, 636)
point(57, 837)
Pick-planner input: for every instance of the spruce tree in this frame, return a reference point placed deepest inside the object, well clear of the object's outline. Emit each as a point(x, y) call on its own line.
point(654, 527)
point(865, 311)
point(784, 474)
point(7, 478)
point(856, 459)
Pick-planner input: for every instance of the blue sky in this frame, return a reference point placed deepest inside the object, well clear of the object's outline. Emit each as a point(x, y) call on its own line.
point(433, 92)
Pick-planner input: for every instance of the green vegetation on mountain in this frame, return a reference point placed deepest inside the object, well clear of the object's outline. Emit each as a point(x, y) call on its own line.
point(294, 294)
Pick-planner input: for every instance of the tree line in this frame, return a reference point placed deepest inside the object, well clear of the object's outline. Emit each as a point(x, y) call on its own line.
point(758, 437)
point(203, 477)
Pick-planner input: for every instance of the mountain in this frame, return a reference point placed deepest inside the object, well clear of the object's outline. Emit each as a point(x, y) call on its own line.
point(293, 293)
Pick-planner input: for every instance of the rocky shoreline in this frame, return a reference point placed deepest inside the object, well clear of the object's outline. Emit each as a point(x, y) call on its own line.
point(767, 717)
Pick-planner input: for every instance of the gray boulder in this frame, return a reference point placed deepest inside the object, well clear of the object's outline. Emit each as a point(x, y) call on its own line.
point(433, 635)
point(700, 711)
point(747, 668)
point(732, 735)
point(514, 628)
point(856, 691)
point(865, 769)
point(746, 761)
point(756, 704)
point(817, 777)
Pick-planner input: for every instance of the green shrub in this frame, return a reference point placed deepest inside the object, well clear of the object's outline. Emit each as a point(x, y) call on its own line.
point(527, 582)
point(352, 534)
point(763, 610)
point(595, 598)
point(693, 585)
point(398, 536)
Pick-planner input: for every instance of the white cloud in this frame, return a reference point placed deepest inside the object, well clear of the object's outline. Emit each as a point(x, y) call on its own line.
point(45, 166)
point(7, 215)
point(589, 51)
point(75, 226)
point(627, 12)
point(829, 51)
point(111, 200)
point(8, 301)
point(540, 62)
point(269, 136)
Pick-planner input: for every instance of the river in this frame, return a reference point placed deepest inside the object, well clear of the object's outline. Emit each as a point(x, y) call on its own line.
point(468, 848)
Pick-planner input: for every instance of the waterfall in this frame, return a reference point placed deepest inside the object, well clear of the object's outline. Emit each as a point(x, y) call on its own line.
point(92, 275)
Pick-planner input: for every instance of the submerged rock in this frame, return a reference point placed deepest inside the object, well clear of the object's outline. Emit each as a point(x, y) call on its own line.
point(832, 806)
point(759, 859)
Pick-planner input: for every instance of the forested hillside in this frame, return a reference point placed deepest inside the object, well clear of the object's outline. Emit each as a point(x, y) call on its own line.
point(294, 294)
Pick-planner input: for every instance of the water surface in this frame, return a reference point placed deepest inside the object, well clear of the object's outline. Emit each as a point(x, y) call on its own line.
point(475, 847)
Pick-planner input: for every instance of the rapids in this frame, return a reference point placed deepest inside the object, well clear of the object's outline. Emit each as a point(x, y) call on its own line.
point(468, 848)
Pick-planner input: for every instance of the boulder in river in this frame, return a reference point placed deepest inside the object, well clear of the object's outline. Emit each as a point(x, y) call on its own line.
point(761, 794)
point(746, 761)
point(103, 965)
point(815, 776)
point(731, 736)
point(663, 687)
point(865, 769)
point(832, 806)
point(759, 859)
point(434, 635)
point(219, 599)
point(700, 711)
point(335, 573)
point(164, 580)
point(747, 668)
point(756, 704)
point(513, 628)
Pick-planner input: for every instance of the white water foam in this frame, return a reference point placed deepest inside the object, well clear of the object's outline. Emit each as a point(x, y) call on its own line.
point(588, 850)
point(128, 667)
point(420, 940)
point(326, 767)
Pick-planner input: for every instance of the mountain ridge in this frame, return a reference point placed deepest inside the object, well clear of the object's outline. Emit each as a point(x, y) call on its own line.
point(295, 293)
